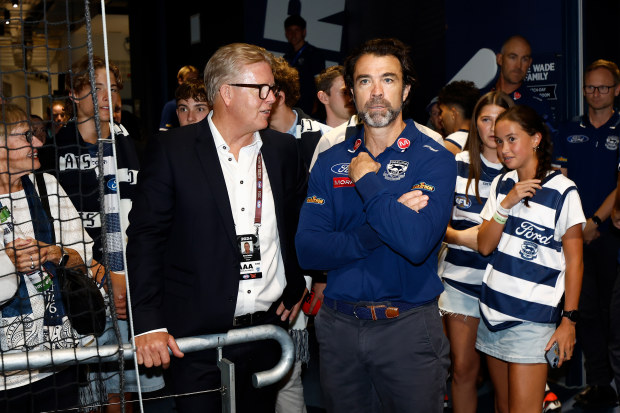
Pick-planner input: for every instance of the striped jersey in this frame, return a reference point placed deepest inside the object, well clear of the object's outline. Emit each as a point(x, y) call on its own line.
point(463, 267)
point(76, 165)
point(524, 280)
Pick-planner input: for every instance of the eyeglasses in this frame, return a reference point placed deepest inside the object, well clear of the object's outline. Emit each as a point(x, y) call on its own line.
point(263, 88)
point(603, 90)
point(28, 135)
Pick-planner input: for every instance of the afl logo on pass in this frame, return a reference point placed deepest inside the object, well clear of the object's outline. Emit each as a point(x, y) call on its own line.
point(112, 184)
point(403, 143)
point(340, 169)
point(462, 202)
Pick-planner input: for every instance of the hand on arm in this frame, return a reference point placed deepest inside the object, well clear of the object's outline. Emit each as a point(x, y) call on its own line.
point(152, 349)
point(414, 200)
point(572, 242)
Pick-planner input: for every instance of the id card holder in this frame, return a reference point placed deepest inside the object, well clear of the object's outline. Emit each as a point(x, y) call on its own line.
point(250, 265)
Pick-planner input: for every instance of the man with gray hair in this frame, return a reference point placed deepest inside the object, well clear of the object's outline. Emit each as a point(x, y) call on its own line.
point(207, 189)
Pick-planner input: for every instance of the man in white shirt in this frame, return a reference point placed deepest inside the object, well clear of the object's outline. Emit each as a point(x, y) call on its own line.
point(206, 189)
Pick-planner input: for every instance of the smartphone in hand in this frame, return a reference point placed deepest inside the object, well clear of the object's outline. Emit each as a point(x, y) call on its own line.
point(553, 355)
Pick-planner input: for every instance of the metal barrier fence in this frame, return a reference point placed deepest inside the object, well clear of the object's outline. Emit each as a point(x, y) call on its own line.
point(89, 355)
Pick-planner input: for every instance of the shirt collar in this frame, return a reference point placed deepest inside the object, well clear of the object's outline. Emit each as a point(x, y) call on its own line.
point(221, 144)
point(293, 129)
point(401, 144)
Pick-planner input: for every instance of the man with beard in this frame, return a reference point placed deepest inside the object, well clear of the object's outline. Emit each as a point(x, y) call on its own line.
point(377, 208)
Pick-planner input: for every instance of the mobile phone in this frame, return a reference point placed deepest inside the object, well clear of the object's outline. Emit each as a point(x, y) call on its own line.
point(553, 355)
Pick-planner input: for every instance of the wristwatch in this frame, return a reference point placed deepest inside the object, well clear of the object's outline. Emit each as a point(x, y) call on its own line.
point(572, 315)
point(596, 220)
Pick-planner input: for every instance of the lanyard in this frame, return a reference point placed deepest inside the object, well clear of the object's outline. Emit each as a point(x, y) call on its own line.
point(298, 54)
point(259, 191)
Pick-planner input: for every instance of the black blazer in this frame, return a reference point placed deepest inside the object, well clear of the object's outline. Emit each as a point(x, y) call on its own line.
point(182, 253)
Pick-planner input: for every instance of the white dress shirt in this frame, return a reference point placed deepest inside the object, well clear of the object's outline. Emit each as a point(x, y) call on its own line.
point(240, 176)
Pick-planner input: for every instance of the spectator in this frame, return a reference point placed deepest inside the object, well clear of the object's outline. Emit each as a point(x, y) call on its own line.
point(304, 57)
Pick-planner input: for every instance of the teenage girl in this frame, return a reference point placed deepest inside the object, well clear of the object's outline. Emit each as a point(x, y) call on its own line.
point(463, 267)
point(533, 226)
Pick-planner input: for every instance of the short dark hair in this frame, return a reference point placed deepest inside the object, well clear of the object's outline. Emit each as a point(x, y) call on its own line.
point(287, 79)
point(295, 20)
point(604, 64)
point(381, 47)
point(191, 89)
point(325, 79)
point(461, 93)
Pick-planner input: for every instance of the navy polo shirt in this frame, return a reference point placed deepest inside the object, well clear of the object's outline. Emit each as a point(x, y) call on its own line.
point(590, 156)
point(374, 248)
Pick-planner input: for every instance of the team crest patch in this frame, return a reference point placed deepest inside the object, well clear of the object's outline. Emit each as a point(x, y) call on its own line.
point(315, 200)
point(403, 143)
point(462, 201)
point(577, 139)
point(340, 169)
point(395, 170)
point(529, 250)
point(612, 143)
point(342, 182)
point(423, 186)
point(517, 95)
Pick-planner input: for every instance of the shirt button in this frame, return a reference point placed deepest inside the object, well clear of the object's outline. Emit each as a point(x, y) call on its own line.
point(241, 182)
point(242, 209)
point(249, 291)
point(229, 159)
point(224, 147)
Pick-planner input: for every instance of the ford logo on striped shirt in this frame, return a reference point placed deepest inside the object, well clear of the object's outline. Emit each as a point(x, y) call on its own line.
point(577, 139)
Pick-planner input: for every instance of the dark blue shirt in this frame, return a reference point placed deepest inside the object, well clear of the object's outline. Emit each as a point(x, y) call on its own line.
point(373, 247)
point(590, 156)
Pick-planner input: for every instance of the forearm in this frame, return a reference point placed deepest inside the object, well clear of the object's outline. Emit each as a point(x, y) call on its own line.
point(604, 211)
point(489, 234)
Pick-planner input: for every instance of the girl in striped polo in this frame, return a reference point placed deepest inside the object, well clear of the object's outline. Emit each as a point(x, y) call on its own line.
point(463, 267)
point(533, 226)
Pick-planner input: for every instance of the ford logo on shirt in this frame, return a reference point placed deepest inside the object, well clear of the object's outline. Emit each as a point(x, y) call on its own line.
point(577, 139)
point(341, 169)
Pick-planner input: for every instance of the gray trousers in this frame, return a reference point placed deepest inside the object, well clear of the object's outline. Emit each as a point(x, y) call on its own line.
point(397, 365)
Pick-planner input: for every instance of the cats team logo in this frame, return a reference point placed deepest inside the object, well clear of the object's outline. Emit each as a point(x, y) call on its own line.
point(395, 170)
point(612, 143)
point(529, 250)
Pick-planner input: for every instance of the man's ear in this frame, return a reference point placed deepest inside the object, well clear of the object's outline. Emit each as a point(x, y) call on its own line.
point(323, 97)
point(226, 94)
point(406, 92)
point(498, 59)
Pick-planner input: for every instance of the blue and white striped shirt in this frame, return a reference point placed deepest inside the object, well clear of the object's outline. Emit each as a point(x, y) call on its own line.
point(524, 280)
point(463, 267)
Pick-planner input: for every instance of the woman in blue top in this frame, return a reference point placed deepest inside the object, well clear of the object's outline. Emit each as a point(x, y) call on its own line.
point(463, 267)
point(533, 226)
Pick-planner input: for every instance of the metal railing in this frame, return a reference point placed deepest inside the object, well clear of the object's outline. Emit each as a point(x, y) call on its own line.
point(89, 355)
